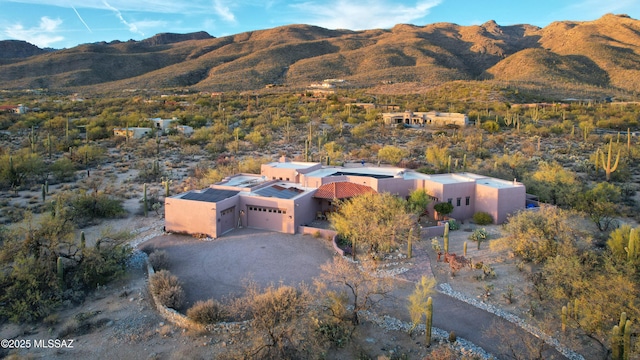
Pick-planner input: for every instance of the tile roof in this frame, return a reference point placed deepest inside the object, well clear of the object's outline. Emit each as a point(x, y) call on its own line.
point(341, 190)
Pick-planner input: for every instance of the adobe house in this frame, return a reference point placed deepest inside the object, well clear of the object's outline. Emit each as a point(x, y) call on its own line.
point(132, 132)
point(289, 194)
point(431, 118)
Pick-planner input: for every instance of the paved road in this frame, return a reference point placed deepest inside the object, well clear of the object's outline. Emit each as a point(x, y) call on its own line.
point(217, 269)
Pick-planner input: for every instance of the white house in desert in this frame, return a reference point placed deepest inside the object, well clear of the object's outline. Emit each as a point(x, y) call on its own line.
point(132, 132)
point(286, 195)
point(431, 118)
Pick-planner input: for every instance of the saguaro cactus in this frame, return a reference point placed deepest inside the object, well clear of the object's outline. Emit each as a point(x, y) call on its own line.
point(44, 193)
point(409, 243)
point(428, 321)
point(631, 249)
point(616, 342)
point(83, 241)
point(60, 268)
point(564, 318)
point(626, 340)
point(144, 199)
point(446, 237)
point(464, 249)
point(608, 168)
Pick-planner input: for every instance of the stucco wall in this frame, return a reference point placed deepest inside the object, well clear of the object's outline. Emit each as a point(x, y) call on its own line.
point(460, 190)
point(510, 200)
point(305, 207)
point(190, 217)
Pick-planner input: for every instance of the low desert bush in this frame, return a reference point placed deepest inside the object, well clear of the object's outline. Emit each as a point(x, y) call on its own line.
point(206, 312)
point(159, 260)
point(167, 289)
point(482, 218)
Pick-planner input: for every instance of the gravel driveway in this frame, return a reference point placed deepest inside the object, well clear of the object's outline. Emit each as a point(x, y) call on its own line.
point(217, 269)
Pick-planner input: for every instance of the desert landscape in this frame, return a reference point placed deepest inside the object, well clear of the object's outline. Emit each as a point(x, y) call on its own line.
point(88, 157)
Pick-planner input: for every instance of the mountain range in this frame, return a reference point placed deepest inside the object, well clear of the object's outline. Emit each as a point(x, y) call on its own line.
point(604, 53)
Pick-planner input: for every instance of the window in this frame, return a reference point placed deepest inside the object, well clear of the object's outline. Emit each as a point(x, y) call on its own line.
point(450, 201)
point(467, 200)
point(458, 201)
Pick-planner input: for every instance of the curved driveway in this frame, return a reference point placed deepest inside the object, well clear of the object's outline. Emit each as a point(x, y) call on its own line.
point(220, 268)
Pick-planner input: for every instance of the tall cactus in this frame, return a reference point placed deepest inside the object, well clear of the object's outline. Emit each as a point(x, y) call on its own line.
point(464, 249)
point(49, 144)
point(32, 140)
point(83, 241)
point(621, 339)
point(60, 268)
point(608, 168)
point(626, 340)
point(616, 343)
point(44, 193)
point(428, 321)
point(409, 244)
point(144, 199)
point(446, 237)
point(564, 318)
point(631, 249)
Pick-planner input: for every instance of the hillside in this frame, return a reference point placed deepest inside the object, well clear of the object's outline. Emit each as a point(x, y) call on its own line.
point(604, 53)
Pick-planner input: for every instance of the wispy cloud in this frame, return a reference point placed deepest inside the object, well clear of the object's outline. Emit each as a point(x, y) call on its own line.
point(132, 27)
point(44, 35)
point(81, 19)
point(223, 11)
point(346, 14)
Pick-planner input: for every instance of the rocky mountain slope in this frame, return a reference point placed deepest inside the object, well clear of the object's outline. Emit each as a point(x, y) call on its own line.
point(602, 53)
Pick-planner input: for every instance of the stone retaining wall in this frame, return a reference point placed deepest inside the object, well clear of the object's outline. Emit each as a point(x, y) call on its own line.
point(180, 320)
point(324, 233)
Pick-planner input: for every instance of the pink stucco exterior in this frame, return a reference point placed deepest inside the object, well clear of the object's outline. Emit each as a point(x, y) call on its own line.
point(282, 198)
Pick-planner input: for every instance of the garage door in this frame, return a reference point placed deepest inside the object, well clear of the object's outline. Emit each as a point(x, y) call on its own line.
point(227, 219)
point(261, 217)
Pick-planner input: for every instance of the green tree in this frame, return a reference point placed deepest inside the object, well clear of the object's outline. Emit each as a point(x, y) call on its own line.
point(443, 209)
point(418, 299)
point(361, 288)
point(438, 157)
point(554, 184)
point(379, 221)
point(392, 154)
point(534, 236)
point(418, 202)
point(601, 204)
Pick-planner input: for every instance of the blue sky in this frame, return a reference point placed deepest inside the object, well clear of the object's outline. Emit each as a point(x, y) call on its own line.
point(67, 23)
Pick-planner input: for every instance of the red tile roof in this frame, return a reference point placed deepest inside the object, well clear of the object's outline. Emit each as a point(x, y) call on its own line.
point(341, 190)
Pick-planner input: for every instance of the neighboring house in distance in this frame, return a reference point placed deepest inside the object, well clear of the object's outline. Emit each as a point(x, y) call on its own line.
point(16, 109)
point(184, 129)
point(288, 194)
point(132, 132)
point(431, 118)
point(162, 124)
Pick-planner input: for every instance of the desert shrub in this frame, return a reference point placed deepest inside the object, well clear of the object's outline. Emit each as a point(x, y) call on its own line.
point(63, 170)
point(102, 263)
point(454, 225)
point(482, 218)
point(159, 260)
point(87, 207)
point(491, 126)
point(167, 289)
point(206, 312)
point(443, 208)
point(30, 290)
